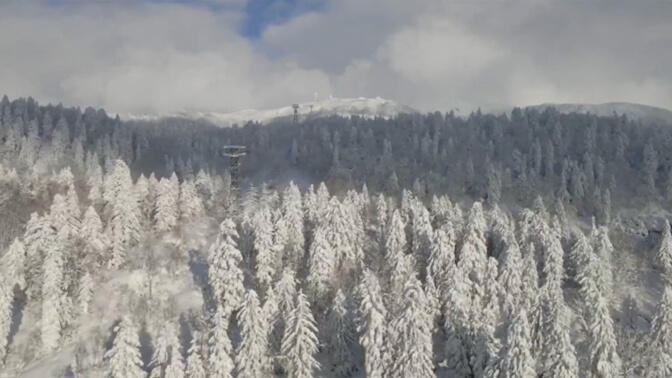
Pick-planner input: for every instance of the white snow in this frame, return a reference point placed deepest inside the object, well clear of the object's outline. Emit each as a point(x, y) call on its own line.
point(360, 106)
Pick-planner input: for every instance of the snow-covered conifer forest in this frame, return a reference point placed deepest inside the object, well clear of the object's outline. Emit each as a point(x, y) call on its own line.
point(528, 244)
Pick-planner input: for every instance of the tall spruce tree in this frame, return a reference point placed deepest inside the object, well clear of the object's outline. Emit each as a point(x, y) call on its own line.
point(299, 343)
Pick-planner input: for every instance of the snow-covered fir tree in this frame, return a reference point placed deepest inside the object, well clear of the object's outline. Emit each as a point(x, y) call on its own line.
point(53, 297)
point(85, 293)
point(96, 241)
point(252, 355)
point(13, 264)
point(175, 365)
point(124, 213)
point(166, 212)
point(190, 203)
point(321, 263)
point(664, 252)
point(266, 257)
point(165, 340)
point(441, 264)
point(195, 367)
point(292, 214)
point(123, 358)
point(6, 299)
point(220, 361)
point(658, 358)
point(299, 343)
point(412, 353)
point(372, 325)
point(516, 359)
point(224, 275)
point(339, 338)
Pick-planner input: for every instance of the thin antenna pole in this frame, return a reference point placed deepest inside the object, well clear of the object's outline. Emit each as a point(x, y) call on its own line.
point(296, 113)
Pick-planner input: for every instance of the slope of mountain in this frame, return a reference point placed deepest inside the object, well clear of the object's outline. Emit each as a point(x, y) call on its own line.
point(633, 111)
point(361, 106)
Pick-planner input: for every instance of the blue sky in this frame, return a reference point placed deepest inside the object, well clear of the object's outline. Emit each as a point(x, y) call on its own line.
point(258, 14)
point(261, 13)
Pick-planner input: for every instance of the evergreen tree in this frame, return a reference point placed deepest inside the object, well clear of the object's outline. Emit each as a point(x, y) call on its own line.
point(39, 237)
point(124, 218)
point(95, 240)
point(340, 336)
point(321, 263)
point(53, 297)
point(195, 368)
point(380, 227)
point(12, 264)
point(224, 274)
point(511, 276)
point(165, 340)
point(85, 293)
point(292, 215)
point(167, 197)
point(400, 266)
point(252, 356)
point(605, 361)
point(175, 367)
point(664, 252)
point(422, 232)
point(457, 324)
point(340, 233)
point(517, 360)
point(604, 251)
point(266, 260)
point(141, 193)
point(299, 343)
point(63, 219)
point(658, 361)
point(220, 363)
point(190, 203)
point(284, 294)
point(6, 316)
point(472, 259)
point(441, 265)
point(650, 168)
point(124, 356)
point(94, 174)
point(412, 355)
point(372, 325)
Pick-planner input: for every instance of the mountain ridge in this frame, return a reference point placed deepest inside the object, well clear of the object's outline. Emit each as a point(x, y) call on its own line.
point(631, 110)
point(368, 107)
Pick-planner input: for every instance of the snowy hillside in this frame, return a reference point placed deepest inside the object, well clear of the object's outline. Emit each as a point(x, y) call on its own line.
point(360, 106)
point(633, 111)
point(536, 245)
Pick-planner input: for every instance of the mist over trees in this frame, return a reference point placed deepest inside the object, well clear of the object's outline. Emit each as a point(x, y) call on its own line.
point(532, 244)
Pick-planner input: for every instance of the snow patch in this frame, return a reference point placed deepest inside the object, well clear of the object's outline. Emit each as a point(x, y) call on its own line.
point(345, 107)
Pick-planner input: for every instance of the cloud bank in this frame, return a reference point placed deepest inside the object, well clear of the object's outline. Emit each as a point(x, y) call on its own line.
point(158, 57)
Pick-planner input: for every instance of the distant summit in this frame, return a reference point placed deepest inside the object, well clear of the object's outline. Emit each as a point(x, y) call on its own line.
point(360, 106)
point(632, 111)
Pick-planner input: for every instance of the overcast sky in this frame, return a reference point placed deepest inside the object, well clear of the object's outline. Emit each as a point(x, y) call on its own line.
point(223, 55)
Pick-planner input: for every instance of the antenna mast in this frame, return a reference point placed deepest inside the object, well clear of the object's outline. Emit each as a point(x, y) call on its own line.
point(296, 113)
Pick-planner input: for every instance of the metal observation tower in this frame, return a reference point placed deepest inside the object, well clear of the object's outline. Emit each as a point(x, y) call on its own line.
point(234, 153)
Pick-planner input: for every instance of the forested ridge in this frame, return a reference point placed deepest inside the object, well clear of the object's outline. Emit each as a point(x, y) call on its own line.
point(531, 244)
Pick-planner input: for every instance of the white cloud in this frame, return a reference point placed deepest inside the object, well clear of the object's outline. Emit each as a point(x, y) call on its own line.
point(440, 55)
point(431, 54)
point(142, 58)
